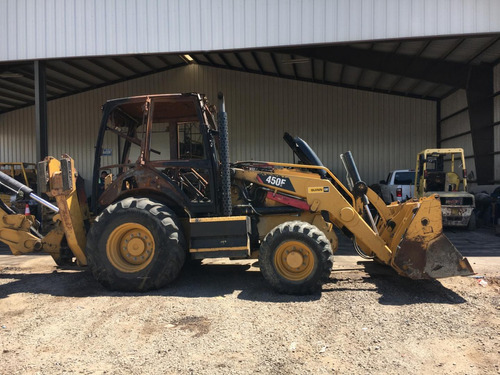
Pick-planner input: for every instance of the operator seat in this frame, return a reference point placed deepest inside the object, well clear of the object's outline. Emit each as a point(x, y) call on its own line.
point(435, 181)
point(452, 181)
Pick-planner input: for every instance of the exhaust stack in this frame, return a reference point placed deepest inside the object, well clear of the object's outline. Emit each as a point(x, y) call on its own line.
point(227, 208)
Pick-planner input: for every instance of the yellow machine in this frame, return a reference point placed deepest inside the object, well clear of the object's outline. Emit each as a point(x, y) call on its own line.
point(157, 213)
point(442, 171)
point(19, 231)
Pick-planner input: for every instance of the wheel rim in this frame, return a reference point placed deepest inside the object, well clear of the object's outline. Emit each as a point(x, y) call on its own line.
point(294, 260)
point(130, 247)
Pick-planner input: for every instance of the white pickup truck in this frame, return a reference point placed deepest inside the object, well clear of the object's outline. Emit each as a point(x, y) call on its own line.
point(398, 186)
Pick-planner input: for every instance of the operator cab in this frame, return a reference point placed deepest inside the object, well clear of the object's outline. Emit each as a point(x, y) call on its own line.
point(161, 145)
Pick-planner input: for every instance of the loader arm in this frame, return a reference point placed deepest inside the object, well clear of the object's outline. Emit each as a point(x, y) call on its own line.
point(416, 223)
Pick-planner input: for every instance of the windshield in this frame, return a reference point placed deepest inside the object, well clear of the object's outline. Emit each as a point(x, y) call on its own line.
point(404, 178)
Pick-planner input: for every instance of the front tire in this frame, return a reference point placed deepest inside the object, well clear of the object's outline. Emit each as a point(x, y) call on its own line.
point(296, 258)
point(136, 245)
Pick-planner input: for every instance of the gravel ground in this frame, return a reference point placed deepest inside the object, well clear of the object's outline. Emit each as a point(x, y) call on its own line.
point(223, 319)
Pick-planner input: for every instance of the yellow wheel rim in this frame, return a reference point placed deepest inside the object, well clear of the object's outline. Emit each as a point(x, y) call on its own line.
point(130, 247)
point(294, 260)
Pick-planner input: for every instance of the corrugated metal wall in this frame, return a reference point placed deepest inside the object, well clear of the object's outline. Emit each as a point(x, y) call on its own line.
point(17, 136)
point(64, 28)
point(384, 132)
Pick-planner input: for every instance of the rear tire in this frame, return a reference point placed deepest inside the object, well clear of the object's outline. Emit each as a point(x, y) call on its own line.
point(472, 224)
point(296, 258)
point(135, 245)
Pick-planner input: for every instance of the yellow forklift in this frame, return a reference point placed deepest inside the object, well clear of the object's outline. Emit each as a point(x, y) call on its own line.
point(442, 171)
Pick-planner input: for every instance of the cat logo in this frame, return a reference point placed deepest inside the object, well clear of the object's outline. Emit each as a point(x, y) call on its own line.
point(313, 190)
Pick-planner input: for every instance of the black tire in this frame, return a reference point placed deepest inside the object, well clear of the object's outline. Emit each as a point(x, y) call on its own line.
point(141, 264)
point(472, 224)
point(291, 244)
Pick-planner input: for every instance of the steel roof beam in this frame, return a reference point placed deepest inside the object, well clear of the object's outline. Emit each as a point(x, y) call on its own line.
point(341, 75)
point(9, 67)
point(208, 58)
point(449, 92)
point(360, 76)
point(106, 68)
point(11, 87)
point(292, 57)
point(254, 55)
point(392, 53)
point(328, 83)
point(104, 84)
point(144, 62)
point(86, 70)
point(431, 70)
point(433, 88)
point(444, 56)
point(275, 63)
point(223, 58)
point(163, 60)
point(486, 47)
point(64, 72)
point(23, 88)
point(55, 83)
point(130, 67)
point(9, 99)
point(419, 53)
point(240, 60)
point(9, 96)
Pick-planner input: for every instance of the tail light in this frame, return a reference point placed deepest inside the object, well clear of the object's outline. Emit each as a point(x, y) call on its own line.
point(399, 192)
point(465, 173)
point(425, 173)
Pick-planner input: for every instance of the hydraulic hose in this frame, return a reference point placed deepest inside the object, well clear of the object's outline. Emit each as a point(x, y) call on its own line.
point(24, 190)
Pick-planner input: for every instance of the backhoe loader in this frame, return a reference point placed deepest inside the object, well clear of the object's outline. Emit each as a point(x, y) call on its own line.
point(172, 195)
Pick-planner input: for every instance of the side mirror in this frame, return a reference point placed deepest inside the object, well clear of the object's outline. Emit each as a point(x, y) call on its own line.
point(382, 182)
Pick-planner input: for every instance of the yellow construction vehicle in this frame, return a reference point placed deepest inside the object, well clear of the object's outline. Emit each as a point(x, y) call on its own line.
point(442, 171)
point(180, 199)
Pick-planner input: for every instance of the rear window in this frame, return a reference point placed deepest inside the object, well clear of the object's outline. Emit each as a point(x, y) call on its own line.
point(404, 178)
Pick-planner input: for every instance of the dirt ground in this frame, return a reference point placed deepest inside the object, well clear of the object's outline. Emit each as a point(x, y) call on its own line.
point(223, 319)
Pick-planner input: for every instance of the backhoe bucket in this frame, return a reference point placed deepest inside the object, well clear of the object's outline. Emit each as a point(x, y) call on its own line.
point(425, 252)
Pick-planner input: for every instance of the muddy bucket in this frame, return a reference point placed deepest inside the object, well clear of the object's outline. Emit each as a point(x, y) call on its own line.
point(425, 252)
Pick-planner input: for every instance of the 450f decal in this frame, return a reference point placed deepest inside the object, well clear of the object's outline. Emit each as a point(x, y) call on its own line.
point(277, 181)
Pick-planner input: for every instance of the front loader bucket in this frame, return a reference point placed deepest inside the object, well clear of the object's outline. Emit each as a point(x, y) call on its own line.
point(425, 252)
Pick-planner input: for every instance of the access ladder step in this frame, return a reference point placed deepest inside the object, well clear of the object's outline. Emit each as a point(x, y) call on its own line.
point(220, 237)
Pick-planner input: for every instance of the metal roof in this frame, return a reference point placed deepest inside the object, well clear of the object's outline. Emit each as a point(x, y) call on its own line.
point(423, 68)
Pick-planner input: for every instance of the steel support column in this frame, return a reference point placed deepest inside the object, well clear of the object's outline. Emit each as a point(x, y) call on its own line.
point(480, 102)
point(438, 123)
point(42, 147)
